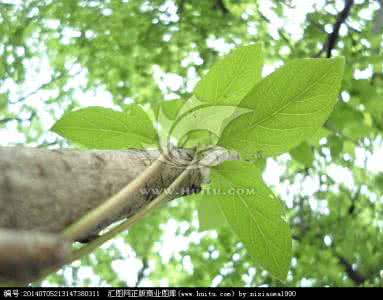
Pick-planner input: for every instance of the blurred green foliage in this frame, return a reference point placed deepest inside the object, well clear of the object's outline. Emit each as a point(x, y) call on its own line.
point(127, 48)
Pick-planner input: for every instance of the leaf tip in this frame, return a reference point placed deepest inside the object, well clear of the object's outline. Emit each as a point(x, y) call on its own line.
point(54, 128)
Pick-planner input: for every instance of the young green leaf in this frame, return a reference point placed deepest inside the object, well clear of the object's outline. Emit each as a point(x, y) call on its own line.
point(232, 77)
point(103, 128)
point(254, 214)
point(215, 96)
point(287, 107)
point(194, 122)
point(169, 108)
point(205, 118)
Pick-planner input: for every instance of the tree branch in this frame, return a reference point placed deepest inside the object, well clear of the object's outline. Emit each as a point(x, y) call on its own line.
point(43, 86)
point(220, 5)
point(47, 190)
point(166, 195)
point(354, 275)
point(24, 254)
point(332, 38)
point(378, 19)
point(6, 120)
point(114, 204)
point(141, 272)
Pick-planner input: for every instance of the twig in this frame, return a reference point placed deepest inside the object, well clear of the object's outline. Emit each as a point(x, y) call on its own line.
point(332, 38)
point(141, 272)
point(5, 120)
point(353, 274)
point(220, 5)
point(43, 86)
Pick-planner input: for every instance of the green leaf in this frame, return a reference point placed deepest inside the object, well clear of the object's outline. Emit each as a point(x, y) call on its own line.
point(232, 77)
point(254, 214)
point(3, 101)
point(303, 154)
point(314, 140)
point(210, 215)
point(103, 128)
point(261, 164)
point(287, 107)
point(335, 144)
point(349, 148)
point(205, 118)
point(356, 130)
point(198, 138)
point(169, 108)
point(215, 98)
point(195, 122)
point(378, 180)
point(343, 114)
point(375, 105)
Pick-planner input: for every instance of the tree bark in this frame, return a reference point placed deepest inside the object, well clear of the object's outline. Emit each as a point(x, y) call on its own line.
point(25, 254)
point(47, 190)
point(43, 191)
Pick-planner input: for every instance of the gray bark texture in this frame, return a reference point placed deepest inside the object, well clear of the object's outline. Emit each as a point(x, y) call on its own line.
point(25, 254)
point(43, 191)
point(47, 190)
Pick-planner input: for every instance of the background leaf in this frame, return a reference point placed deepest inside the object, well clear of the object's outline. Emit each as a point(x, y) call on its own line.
point(103, 128)
point(303, 153)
